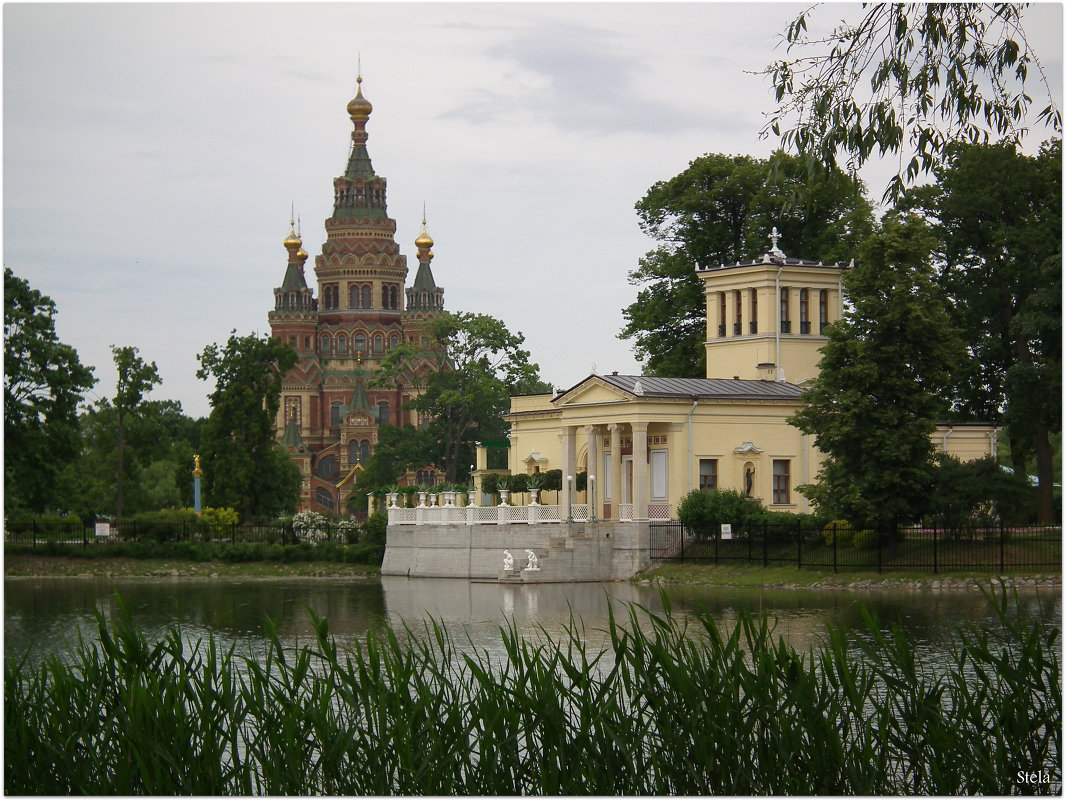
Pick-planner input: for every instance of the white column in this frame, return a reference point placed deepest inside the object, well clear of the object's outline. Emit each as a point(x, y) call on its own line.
point(569, 442)
point(616, 469)
point(641, 489)
point(593, 462)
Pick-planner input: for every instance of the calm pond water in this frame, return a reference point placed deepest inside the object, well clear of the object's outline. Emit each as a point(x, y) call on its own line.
point(44, 615)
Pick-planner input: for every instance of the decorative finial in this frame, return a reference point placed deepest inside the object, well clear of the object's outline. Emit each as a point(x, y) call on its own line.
point(775, 250)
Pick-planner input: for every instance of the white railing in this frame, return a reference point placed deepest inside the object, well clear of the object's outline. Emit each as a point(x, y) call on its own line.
point(505, 515)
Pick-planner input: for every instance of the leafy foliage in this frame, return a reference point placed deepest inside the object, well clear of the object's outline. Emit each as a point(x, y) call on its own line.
point(704, 511)
point(478, 365)
point(999, 257)
point(875, 401)
point(718, 211)
point(43, 384)
point(243, 465)
point(908, 79)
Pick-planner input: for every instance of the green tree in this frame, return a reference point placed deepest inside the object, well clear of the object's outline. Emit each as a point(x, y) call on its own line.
point(397, 451)
point(135, 378)
point(474, 365)
point(244, 468)
point(1000, 265)
point(718, 211)
point(907, 79)
point(43, 384)
point(874, 405)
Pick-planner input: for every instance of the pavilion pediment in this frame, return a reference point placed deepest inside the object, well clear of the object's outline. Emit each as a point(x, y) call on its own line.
point(593, 390)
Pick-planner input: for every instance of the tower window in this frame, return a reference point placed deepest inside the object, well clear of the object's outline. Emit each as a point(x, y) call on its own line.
point(823, 310)
point(342, 344)
point(721, 314)
point(738, 306)
point(359, 343)
point(335, 414)
point(383, 413)
point(379, 343)
point(786, 323)
point(805, 319)
point(753, 326)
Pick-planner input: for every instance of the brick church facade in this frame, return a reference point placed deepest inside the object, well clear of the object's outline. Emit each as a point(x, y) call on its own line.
point(330, 412)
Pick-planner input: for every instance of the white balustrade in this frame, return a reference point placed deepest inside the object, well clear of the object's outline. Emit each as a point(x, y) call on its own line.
point(503, 515)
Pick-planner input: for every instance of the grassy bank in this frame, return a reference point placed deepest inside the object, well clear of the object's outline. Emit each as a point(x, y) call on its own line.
point(792, 577)
point(29, 565)
point(668, 708)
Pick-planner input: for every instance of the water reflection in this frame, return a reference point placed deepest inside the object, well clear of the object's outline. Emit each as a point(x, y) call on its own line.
point(43, 615)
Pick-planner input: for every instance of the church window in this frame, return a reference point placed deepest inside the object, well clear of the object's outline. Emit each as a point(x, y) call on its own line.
point(353, 452)
point(394, 297)
point(781, 482)
point(823, 310)
point(786, 323)
point(324, 498)
point(394, 340)
point(353, 296)
point(805, 318)
point(424, 300)
point(383, 413)
point(327, 466)
point(359, 343)
point(721, 314)
point(364, 451)
point(384, 297)
point(753, 325)
point(307, 343)
point(426, 478)
point(738, 307)
point(379, 343)
point(708, 474)
point(335, 414)
point(342, 344)
point(324, 344)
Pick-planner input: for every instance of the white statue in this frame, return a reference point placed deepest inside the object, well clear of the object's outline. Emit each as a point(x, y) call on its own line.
point(508, 561)
point(532, 563)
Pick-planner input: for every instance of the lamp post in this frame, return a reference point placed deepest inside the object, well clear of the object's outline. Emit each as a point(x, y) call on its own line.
point(569, 499)
point(592, 499)
point(196, 473)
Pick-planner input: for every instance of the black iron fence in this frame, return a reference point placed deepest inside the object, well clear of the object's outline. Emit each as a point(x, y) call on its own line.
point(37, 533)
point(978, 548)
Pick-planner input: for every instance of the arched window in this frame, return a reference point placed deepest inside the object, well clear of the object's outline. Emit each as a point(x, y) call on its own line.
point(394, 297)
point(324, 498)
point(721, 314)
point(425, 299)
point(394, 340)
point(335, 414)
point(383, 413)
point(342, 344)
point(324, 344)
point(805, 318)
point(359, 343)
point(786, 323)
point(366, 296)
point(384, 297)
point(364, 451)
point(738, 310)
point(823, 310)
point(379, 343)
point(327, 466)
point(353, 452)
point(753, 326)
point(353, 296)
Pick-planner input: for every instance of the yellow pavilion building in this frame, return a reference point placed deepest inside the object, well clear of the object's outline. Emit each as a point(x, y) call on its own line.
point(646, 442)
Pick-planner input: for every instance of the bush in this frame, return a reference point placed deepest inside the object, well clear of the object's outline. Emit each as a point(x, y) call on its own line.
point(838, 532)
point(704, 511)
point(866, 538)
point(375, 528)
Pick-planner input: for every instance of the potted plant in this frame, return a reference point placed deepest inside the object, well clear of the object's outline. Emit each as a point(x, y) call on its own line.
point(503, 486)
point(535, 482)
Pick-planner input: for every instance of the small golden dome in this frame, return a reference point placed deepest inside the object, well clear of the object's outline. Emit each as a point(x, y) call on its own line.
point(424, 240)
point(293, 239)
point(301, 254)
point(359, 107)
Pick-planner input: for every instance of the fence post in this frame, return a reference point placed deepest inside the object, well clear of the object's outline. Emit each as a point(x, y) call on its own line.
point(934, 549)
point(765, 555)
point(799, 544)
point(681, 529)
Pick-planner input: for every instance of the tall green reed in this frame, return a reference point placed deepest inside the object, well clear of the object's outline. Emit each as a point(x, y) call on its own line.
point(669, 704)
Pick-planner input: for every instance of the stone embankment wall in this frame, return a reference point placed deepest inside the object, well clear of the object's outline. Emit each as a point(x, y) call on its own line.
point(565, 552)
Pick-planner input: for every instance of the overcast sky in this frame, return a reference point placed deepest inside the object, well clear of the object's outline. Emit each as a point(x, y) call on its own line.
point(152, 154)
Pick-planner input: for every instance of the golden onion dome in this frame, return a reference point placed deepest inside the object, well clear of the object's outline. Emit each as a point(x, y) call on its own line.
point(293, 239)
point(301, 254)
point(359, 107)
point(424, 240)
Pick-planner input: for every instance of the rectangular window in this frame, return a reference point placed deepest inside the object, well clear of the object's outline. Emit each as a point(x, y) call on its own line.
point(781, 481)
point(658, 475)
point(607, 475)
point(708, 474)
point(335, 414)
point(786, 323)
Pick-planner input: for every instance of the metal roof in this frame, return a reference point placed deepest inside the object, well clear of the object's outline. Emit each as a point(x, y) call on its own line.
point(709, 388)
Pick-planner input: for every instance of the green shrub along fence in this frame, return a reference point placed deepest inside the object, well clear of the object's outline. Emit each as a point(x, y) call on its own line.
point(665, 706)
point(340, 541)
point(837, 548)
